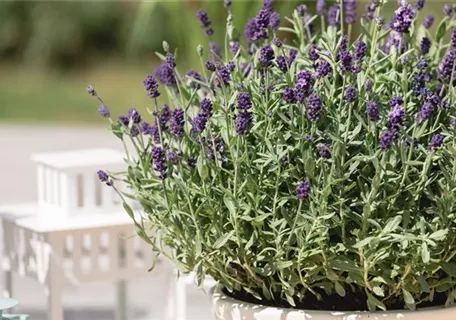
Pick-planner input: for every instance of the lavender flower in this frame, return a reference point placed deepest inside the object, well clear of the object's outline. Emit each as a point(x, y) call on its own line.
point(243, 122)
point(250, 31)
point(159, 161)
point(351, 94)
point(360, 50)
point(243, 101)
point(313, 54)
point(453, 123)
point(305, 81)
point(403, 18)
point(151, 86)
point(170, 60)
point(446, 66)
point(321, 7)
point(346, 61)
point(282, 63)
point(173, 157)
point(425, 112)
point(428, 21)
point(134, 115)
point(448, 10)
point(333, 15)
point(203, 18)
point(103, 110)
point(206, 107)
point(350, 11)
point(274, 21)
point(283, 161)
point(289, 95)
point(235, 47)
point(303, 190)
point(421, 64)
point(165, 74)
point(199, 122)
point(372, 111)
point(124, 120)
point(425, 46)
point(193, 75)
point(177, 122)
point(266, 56)
point(227, 3)
point(102, 175)
point(323, 69)
point(386, 140)
point(91, 90)
point(314, 107)
point(419, 4)
point(453, 38)
point(210, 66)
point(214, 51)
point(262, 22)
point(396, 118)
point(301, 9)
point(396, 101)
point(276, 41)
point(436, 142)
point(324, 150)
point(292, 56)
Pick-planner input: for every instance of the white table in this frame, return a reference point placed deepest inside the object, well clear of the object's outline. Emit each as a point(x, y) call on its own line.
point(75, 250)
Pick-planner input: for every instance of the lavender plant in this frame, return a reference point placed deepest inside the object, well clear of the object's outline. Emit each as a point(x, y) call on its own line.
point(318, 172)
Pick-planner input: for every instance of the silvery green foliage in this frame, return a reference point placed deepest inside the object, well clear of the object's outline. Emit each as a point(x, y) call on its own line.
point(366, 123)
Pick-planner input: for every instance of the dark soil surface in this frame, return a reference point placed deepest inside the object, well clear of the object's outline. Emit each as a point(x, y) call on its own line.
point(354, 301)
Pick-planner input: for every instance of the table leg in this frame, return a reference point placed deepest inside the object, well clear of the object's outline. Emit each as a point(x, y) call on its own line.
point(181, 297)
point(55, 309)
point(121, 297)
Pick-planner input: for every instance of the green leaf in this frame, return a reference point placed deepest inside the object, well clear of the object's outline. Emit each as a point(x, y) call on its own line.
point(439, 235)
point(425, 255)
point(441, 30)
point(378, 291)
point(373, 303)
point(340, 289)
point(129, 210)
point(223, 239)
point(363, 243)
point(449, 268)
point(408, 298)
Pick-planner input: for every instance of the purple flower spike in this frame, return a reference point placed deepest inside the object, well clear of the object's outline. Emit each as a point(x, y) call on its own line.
point(403, 18)
point(425, 112)
point(289, 95)
point(372, 111)
point(165, 74)
point(177, 122)
point(386, 140)
point(360, 50)
point(428, 21)
point(103, 110)
point(243, 122)
point(274, 21)
point(151, 86)
point(266, 56)
point(453, 123)
point(282, 63)
point(134, 115)
point(436, 142)
point(323, 69)
point(351, 94)
point(203, 18)
point(453, 38)
point(303, 190)
point(102, 175)
point(448, 10)
point(333, 15)
point(159, 161)
point(425, 46)
point(314, 107)
point(276, 41)
point(301, 9)
point(350, 11)
point(210, 66)
point(227, 3)
point(396, 118)
point(321, 7)
point(324, 150)
point(313, 54)
point(243, 101)
point(170, 60)
point(91, 90)
point(419, 4)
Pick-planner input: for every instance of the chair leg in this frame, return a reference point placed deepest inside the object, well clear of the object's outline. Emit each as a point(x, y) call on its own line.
point(121, 297)
point(55, 309)
point(8, 288)
point(181, 297)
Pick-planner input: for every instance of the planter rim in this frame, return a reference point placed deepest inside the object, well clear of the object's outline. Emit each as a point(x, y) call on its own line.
point(221, 302)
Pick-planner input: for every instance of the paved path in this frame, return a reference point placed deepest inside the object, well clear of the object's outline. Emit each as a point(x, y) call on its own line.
point(17, 184)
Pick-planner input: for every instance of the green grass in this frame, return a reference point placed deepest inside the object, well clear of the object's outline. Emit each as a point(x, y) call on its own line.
point(51, 97)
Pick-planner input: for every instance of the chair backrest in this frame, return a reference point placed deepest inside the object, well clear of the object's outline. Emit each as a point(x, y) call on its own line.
point(68, 182)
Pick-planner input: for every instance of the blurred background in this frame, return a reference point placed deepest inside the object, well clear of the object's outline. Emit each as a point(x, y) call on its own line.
point(49, 52)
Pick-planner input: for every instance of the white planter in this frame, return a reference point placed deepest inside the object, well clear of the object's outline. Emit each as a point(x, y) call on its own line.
point(227, 308)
